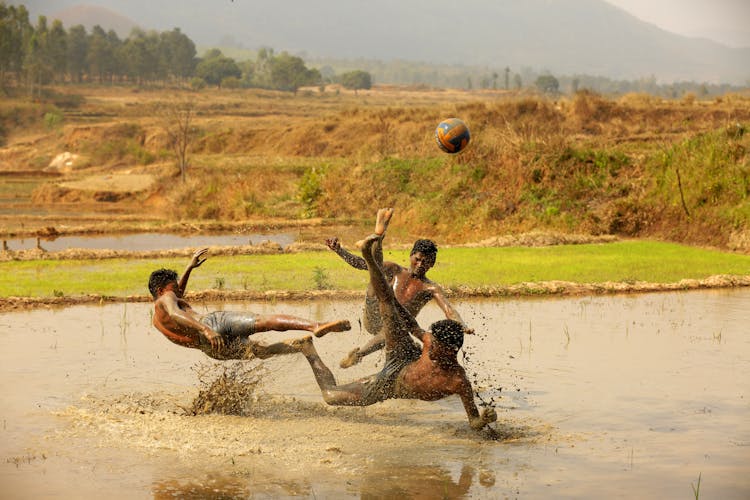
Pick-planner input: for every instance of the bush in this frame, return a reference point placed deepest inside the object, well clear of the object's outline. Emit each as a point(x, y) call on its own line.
point(53, 120)
point(231, 82)
point(310, 191)
point(197, 83)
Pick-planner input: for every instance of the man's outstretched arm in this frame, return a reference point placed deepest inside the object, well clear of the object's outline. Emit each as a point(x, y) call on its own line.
point(196, 261)
point(450, 312)
point(351, 259)
point(476, 421)
point(381, 224)
point(354, 260)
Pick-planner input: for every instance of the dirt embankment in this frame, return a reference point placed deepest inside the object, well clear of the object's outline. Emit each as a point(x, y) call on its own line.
point(536, 289)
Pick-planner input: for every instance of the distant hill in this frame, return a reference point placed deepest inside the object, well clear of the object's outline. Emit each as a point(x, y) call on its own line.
point(92, 15)
point(560, 36)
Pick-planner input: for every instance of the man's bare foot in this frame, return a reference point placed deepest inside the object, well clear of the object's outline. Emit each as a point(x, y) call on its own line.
point(298, 345)
point(382, 220)
point(381, 224)
point(368, 242)
point(341, 325)
point(351, 359)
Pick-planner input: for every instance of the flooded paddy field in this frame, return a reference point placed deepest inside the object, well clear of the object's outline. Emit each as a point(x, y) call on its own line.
point(148, 241)
point(631, 396)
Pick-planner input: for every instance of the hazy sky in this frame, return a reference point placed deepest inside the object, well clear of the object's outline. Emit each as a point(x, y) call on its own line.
point(725, 21)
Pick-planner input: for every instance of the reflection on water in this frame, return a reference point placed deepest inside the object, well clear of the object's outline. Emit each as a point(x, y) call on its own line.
point(421, 482)
point(212, 487)
point(632, 396)
point(148, 241)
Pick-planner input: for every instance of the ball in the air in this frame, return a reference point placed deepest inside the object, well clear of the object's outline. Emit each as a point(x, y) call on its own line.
point(452, 135)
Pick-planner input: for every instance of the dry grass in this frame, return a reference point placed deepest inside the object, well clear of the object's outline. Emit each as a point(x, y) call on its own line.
point(583, 164)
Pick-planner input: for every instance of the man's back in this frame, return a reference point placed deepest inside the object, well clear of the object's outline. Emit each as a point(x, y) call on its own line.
point(430, 379)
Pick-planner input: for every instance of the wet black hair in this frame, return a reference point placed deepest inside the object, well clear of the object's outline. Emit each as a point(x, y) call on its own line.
point(448, 332)
point(159, 279)
point(428, 248)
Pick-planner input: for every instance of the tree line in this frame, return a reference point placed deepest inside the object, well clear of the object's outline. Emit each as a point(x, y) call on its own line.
point(35, 55)
point(32, 56)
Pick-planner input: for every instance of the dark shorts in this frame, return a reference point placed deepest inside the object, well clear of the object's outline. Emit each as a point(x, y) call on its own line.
point(234, 327)
point(373, 320)
point(381, 385)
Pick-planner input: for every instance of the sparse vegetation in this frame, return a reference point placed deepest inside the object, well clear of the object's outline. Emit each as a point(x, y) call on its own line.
point(589, 164)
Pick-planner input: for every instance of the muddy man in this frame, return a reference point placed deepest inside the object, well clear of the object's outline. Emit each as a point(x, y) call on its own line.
point(410, 285)
point(428, 373)
point(221, 334)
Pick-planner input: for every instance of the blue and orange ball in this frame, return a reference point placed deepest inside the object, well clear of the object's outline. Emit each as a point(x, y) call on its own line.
point(452, 135)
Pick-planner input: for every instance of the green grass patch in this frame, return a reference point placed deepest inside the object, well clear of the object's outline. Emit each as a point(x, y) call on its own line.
point(650, 261)
point(627, 261)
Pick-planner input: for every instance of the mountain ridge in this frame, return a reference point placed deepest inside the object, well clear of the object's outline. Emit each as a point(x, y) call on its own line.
point(572, 37)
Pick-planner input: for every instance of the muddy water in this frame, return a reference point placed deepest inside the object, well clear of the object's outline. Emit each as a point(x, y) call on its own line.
point(141, 242)
point(627, 396)
point(148, 241)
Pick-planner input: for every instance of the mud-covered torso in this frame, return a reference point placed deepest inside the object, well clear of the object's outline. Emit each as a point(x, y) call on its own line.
point(175, 332)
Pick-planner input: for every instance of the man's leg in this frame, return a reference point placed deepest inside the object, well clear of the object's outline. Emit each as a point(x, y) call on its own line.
point(333, 394)
point(283, 323)
point(262, 350)
point(376, 343)
point(397, 321)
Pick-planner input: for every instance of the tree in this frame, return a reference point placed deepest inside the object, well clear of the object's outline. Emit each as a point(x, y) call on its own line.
point(57, 49)
point(180, 132)
point(177, 54)
point(78, 47)
point(290, 73)
point(261, 72)
point(215, 67)
point(517, 82)
point(115, 67)
point(37, 58)
point(15, 31)
point(356, 80)
point(99, 53)
point(547, 84)
point(140, 54)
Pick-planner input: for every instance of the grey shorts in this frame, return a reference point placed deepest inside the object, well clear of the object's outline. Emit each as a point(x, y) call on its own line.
point(234, 327)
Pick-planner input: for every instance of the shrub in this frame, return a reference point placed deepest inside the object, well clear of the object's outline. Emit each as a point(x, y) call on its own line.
point(53, 120)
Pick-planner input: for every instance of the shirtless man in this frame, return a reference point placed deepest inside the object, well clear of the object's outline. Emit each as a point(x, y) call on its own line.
point(221, 334)
point(411, 286)
point(428, 374)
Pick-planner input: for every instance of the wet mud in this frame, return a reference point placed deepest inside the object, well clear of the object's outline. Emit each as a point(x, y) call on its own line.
point(596, 396)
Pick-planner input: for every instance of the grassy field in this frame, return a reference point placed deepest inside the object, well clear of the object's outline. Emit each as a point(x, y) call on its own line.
point(474, 268)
